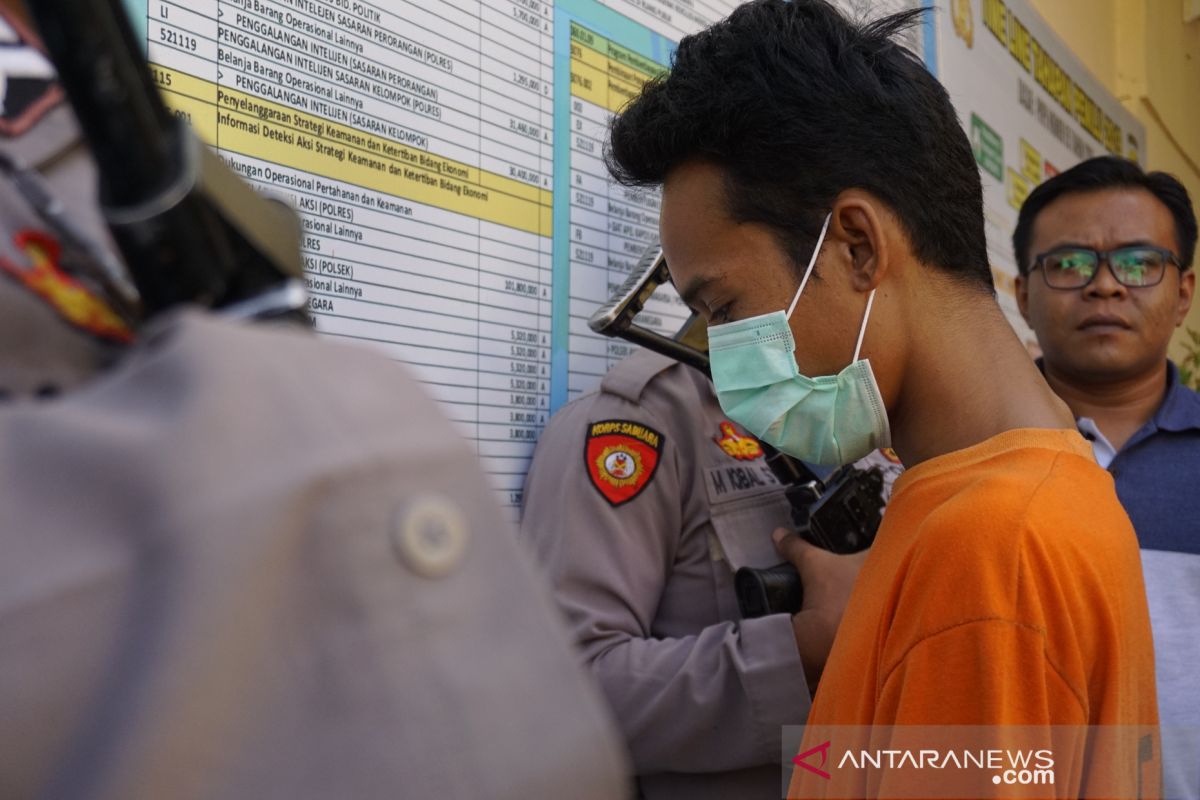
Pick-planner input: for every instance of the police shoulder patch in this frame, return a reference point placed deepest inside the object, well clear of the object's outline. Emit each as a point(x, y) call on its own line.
point(621, 457)
point(742, 447)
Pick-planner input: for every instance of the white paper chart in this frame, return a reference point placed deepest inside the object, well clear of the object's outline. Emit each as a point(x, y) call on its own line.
point(446, 158)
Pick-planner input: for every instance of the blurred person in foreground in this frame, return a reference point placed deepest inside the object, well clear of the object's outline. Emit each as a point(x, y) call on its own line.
point(228, 567)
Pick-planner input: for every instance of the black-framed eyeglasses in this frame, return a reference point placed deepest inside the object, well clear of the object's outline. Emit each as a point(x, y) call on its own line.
point(1136, 266)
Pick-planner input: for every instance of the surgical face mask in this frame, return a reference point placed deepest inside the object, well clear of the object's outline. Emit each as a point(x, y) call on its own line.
point(828, 420)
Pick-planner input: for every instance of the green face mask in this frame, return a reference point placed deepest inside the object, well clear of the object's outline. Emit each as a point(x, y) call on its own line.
point(829, 420)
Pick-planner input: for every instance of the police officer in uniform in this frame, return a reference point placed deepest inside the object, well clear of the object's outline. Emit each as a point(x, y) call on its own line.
point(238, 561)
point(642, 501)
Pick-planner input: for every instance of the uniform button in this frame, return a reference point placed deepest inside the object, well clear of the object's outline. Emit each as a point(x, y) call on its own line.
point(430, 535)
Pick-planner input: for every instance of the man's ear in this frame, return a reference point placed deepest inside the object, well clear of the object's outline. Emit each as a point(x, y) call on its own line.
point(1022, 288)
point(1187, 288)
point(865, 230)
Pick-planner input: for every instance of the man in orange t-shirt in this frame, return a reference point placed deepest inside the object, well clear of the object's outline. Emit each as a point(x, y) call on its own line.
point(1004, 589)
point(818, 187)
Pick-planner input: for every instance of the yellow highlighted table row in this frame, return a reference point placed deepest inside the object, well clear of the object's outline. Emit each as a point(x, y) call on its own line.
point(601, 88)
point(292, 137)
point(605, 50)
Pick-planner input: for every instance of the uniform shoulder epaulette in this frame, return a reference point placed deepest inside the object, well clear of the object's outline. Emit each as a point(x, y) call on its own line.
point(629, 379)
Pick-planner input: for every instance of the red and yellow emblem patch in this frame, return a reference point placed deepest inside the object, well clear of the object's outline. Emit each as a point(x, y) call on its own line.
point(73, 301)
point(621, 457)
point(743, 448)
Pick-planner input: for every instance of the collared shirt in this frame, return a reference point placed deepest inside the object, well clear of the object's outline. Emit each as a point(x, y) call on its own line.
point(642, 560)
point(643, 552)
point(1156, 470)
point(222, 580)
point(1157, 474)
point(1102, 448)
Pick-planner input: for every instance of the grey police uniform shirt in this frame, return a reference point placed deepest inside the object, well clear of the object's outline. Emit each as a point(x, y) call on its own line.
point(647, 585)
point(244, 562)
point(248, 563)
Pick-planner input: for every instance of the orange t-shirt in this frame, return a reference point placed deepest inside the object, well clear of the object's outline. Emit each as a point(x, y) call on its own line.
point(1004, 588)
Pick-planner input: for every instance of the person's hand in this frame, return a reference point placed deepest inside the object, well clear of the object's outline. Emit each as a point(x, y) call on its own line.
point(827, 579)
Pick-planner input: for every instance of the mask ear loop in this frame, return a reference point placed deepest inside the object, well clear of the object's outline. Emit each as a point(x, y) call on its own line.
point(862, 330)
point(812, 262)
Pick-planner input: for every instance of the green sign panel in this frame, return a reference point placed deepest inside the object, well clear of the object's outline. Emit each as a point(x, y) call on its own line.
point(988, 147)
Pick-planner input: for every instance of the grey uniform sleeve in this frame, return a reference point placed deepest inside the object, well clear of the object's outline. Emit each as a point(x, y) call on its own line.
point(708, 702)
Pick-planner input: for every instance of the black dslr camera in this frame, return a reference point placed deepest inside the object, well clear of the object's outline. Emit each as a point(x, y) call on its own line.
point(840, 513)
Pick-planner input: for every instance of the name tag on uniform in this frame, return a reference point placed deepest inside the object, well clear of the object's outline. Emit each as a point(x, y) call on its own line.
point(735, 481)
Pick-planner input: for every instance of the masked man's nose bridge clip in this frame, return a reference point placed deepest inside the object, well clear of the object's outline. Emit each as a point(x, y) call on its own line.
point(812, 262)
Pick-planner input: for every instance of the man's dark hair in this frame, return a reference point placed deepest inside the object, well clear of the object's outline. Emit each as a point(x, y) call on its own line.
point(797, 103)
point(1108, 172)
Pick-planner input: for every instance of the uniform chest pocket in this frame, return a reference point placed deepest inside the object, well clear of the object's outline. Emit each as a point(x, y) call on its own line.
point(743, 529)
point(741, 537)
point(746, 503)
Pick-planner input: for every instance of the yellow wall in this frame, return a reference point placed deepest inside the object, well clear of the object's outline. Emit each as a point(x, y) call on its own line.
point(1149, 57)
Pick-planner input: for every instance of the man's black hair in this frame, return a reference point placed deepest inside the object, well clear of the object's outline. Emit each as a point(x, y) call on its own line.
point(797, 103)
point(1108, 172)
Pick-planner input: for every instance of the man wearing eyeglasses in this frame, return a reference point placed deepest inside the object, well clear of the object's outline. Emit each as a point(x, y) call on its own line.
point(1105, 252)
